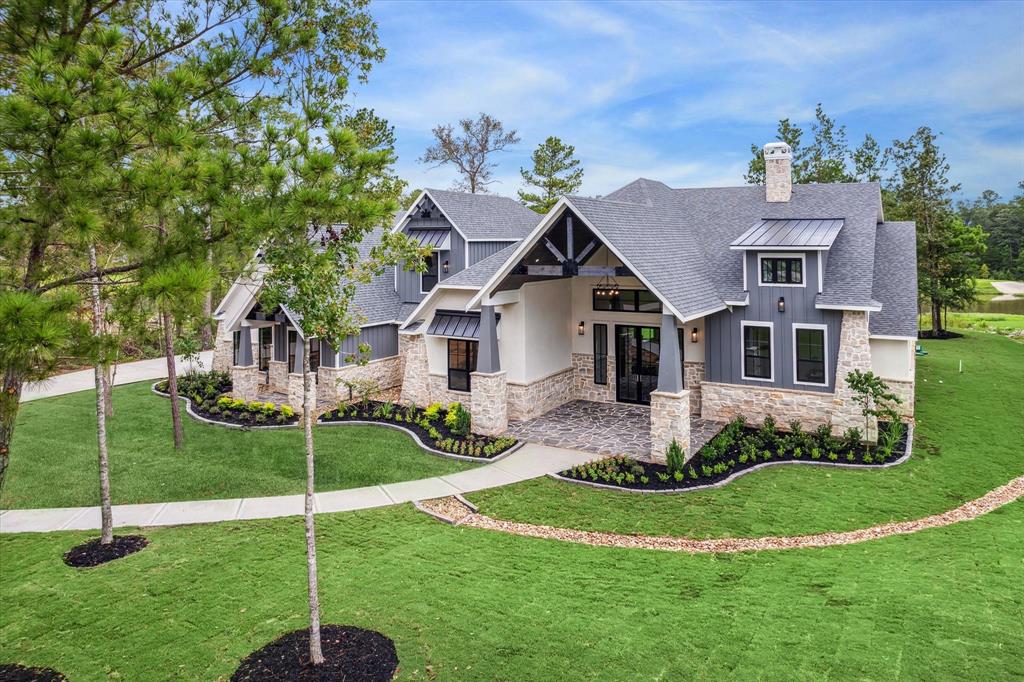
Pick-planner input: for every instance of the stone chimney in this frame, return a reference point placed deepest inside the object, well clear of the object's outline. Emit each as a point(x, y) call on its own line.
point(778, 172)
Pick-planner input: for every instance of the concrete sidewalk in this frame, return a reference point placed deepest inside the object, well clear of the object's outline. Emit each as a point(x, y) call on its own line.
point(530, 461)
point(127, 373)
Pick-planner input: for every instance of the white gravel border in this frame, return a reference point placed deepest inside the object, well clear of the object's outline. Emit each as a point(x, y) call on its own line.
point(732, 477)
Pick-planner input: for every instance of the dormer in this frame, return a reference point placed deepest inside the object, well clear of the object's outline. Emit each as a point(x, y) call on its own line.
point(776, 251)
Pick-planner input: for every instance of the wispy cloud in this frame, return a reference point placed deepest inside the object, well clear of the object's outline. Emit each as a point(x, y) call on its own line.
point(678, 91)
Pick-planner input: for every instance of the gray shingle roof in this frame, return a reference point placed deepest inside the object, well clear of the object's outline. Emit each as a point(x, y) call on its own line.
point(478, 274)
point(895, 280)
point(796, 233)
point(679, 238)
point(486, 216)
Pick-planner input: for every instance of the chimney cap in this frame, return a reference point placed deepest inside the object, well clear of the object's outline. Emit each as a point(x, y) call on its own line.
point(778, 150)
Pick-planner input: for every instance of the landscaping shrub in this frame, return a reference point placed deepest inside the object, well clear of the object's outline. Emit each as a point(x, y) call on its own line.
point(674, 457)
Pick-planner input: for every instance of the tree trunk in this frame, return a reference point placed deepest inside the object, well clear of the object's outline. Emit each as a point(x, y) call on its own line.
point(936, 317)
point(316, 654)
point(110, 373)
point(207, 328)
point(172, 380)
point(10, 401)
point(107, 518)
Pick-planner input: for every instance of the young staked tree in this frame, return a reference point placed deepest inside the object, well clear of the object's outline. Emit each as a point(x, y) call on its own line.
point(471, 151)
point(556, 173)
point(321, 201)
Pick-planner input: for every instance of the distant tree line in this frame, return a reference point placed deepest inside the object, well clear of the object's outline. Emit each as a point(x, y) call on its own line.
point(1003, 224)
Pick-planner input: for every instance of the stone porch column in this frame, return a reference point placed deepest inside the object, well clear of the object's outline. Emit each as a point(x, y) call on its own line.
point(328, 374)
point(854, 353)
point(295, 388)
point(416, 374)
point(244, 375)
point(670, 419)
point(489, 402)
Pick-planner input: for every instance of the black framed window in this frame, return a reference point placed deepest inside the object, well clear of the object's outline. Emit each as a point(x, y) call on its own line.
point(236, 343)
point(266, 347)
point(757, 352)
point(314, 355)
point(627, 301)
point(600, 353)
point(461, 363)
point(428, 278)
point(810, 355)
point(782, 271)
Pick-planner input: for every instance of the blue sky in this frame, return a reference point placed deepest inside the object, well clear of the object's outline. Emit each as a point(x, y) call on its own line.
point(678, 92)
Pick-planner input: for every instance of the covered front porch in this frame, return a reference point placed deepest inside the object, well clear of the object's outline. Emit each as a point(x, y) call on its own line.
point(604, 429)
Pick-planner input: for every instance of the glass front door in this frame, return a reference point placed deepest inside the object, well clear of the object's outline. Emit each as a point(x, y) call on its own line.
point(637, 350)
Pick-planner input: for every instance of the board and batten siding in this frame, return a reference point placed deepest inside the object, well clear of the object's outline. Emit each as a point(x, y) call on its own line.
point(382, 339)
point(480, 250)
point(409, 281)
point(724, 353)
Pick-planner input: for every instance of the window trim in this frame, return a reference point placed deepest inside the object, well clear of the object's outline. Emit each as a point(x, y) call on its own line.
point(469, 372)
point(778, 254)
point(435, 255)
point(771, 350)
point(594, 331)
point(636, 302)
point(824, 341)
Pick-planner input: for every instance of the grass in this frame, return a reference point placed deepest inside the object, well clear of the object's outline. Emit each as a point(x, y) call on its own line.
point(968, 440)
point(467, 604)
point(984, 290)
point(53, 456)
point(997, 323)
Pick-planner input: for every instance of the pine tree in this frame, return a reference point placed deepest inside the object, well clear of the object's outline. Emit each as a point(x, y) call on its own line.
point(556, 173)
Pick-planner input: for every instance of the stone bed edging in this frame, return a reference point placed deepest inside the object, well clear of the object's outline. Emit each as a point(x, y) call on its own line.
point(990, 501)
point(414, 435)
point(733, 476)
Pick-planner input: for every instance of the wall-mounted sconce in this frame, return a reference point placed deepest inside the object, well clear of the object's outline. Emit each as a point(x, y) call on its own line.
point(693, 335)
point(782, 304)
point(582, 328)
point(444, 266)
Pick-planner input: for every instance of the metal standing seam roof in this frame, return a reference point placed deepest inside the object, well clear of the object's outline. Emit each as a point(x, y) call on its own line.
point(456, 324)
point(436, 239)
point(795, 233)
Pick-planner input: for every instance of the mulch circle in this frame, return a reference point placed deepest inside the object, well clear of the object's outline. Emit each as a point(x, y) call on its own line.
point(12, 672)
point(92, 553)
point(350, 653)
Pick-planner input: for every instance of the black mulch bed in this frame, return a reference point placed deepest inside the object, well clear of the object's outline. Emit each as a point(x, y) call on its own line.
point(350, 654)
point(239, 417)
point(621, 465)
point(494, 446)
point(12, 672)
point(941, 336)
point(92, 553)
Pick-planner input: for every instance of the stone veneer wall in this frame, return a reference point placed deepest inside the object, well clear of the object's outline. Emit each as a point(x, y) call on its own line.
point(416, 369)
point(387, 372)
point(670, 420)
point(725, 402)
point(693, 377)
point(440, 393)
point(223, 350)
point(245, 382)
point(904, 390)
point(278, 371)
point(489, 403)
point(526, 401)
point(584, 387)
point(295, 391)
point(854, 353)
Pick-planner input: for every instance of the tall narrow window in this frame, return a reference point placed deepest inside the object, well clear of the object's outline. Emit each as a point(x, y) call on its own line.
point(428, 278)
point(314, 355)
point(600, 354)
point(757, 351)
point(236, 343)
point(809, 347)
point(461, 363)
point(266, 346)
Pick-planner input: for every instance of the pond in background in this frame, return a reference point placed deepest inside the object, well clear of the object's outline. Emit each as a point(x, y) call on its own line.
point(1008, 307)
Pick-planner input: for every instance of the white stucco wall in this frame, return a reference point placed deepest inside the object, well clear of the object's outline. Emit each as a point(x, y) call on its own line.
point(437, 347)
point(893, 358)
point(546, 309)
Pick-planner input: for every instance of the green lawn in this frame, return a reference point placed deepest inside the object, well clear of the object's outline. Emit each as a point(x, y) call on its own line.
point(53, 456)
point(467, 604)
point(969, 439)
point(999, 323)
